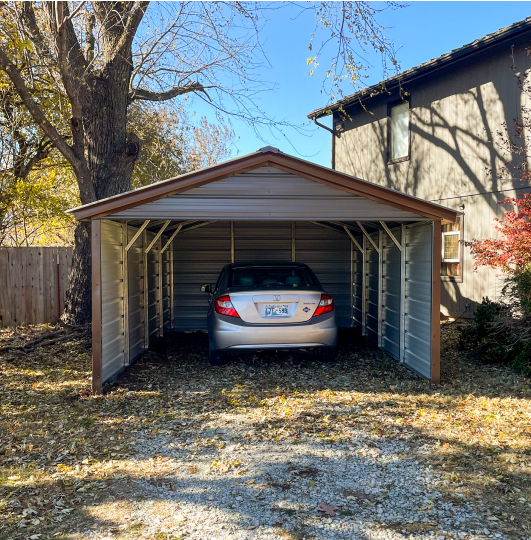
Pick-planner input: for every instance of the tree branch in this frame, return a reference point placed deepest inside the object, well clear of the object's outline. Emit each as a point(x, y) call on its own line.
point(29, 23)
point(148, 95)
point(72, 15)
point(86, 189)
point(131, 26)
point(90, 41)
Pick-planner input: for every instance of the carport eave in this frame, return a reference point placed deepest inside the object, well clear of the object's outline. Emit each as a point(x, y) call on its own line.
point(317, 173)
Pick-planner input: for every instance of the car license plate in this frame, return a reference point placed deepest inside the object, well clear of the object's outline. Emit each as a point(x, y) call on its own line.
point(276, 310)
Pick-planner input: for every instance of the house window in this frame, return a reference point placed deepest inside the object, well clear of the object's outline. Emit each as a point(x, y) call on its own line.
point(399, 131)
point(452, 251)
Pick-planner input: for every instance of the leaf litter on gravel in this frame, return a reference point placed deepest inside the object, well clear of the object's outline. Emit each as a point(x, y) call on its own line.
point(69, 459)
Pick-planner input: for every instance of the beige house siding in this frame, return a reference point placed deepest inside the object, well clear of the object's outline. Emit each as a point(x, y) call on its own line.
point(453, 118)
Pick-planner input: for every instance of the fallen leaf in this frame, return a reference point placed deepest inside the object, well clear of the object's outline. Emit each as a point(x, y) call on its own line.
point(327, 509)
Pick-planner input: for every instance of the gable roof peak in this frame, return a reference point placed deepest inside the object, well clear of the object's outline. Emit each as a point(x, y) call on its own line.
point(270, 149)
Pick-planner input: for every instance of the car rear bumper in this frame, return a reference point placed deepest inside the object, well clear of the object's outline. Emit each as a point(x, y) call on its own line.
point(231, 333)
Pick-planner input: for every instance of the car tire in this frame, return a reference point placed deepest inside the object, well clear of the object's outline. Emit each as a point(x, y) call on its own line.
point(329, 354)
point(215, 358)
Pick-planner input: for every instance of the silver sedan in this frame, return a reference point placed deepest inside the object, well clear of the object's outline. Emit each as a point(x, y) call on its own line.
point(257, 306)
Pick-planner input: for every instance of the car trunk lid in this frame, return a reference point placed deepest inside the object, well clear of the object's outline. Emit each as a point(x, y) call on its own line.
point(276, 307)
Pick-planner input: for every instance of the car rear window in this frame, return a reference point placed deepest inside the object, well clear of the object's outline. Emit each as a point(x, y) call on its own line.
point(271, 277)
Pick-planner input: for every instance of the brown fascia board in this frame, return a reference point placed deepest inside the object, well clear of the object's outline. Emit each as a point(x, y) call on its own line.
point(317, 173)
point(515, 31)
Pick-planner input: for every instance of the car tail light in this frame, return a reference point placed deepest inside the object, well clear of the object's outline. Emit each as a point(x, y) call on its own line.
point(326, 305)
point(223, 306)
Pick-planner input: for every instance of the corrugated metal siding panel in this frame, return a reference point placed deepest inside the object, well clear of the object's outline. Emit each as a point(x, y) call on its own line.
point(259, 241)
point(153, 286)
point(357, 291)
point(418, 298)
point(371, 293)
point(391, 326)
point(135, 270)
point(112, 327)
point(327, 253)
point(166, 289)
point(266, 182)
point(199, 255)
point(271, 197)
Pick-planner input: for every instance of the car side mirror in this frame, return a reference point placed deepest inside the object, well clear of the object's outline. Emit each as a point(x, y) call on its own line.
point(206, 288)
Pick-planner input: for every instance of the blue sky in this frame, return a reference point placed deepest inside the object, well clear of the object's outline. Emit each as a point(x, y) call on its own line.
point(423, 30)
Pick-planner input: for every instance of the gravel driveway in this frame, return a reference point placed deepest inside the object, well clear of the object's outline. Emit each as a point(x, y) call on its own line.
point(298, 451)
point(264, 447)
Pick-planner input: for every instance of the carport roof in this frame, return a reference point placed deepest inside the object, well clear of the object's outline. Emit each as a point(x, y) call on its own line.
point(265, 157)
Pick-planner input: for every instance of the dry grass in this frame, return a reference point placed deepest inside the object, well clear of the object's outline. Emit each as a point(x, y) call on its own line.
point(66, 458)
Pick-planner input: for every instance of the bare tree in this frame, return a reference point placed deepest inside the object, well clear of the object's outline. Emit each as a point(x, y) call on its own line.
point(102, 57)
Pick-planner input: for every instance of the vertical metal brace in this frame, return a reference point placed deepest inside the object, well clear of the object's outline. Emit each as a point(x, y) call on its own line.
point(125, 275)
point(146, 290)
point(364, 289)
point(161, 295)
point(380, 288)
point(232, 241)
point(403, 295)
point(353, 243)
point(351, 284)
point(292, 241)
point(169, 244)
point(402, 247)
point(171, 285)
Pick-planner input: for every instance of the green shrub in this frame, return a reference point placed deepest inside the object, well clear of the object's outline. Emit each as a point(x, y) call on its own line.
point(522, 360)
point(492, 338)
point(479, 332)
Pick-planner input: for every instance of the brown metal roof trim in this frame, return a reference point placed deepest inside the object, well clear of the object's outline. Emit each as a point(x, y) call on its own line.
point(263, 158)
point(479, 45)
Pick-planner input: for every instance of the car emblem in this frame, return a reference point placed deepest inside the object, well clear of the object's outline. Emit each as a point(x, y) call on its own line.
point(306, 309)
point(276, 297)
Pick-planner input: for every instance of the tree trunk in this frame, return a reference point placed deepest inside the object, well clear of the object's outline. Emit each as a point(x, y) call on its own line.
point(78, 305)
point(111, 154)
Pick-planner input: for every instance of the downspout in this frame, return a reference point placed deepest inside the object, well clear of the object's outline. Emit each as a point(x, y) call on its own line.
point(333, 156)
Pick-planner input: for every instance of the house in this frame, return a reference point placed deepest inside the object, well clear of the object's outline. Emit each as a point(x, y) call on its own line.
point(429, 132)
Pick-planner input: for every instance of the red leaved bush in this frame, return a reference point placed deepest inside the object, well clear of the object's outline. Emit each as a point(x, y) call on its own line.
point(512, 252)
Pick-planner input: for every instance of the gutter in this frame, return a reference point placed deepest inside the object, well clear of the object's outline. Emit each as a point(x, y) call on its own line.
point(323, 126)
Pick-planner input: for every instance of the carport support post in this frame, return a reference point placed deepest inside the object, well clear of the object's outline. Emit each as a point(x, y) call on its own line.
point(96, 306)
point(380, 288)
point(293, 255)
point(146, 290)
point(171, 285)
point(351, 284)
point(161, 297)
point(403, 294)
point(436, 303)
point(364, 289)
point(232, 241)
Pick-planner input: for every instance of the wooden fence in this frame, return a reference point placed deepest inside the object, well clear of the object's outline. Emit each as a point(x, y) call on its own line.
point(32, 284)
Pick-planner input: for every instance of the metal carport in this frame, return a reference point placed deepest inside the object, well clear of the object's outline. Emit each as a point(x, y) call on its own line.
point(377, 251)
